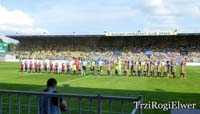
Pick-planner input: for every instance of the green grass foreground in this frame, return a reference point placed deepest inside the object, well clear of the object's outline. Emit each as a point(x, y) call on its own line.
point(161, 90)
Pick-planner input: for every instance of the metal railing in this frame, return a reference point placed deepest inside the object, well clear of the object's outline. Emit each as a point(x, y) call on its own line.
point(21, 102)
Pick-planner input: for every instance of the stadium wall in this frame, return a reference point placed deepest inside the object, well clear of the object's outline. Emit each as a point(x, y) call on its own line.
point(193, 64)
point(11, 58)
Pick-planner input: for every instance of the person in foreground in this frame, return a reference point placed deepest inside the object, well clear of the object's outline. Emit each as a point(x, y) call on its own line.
point(56, 104)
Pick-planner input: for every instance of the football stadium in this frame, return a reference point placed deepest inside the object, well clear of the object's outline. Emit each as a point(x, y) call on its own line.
point(103, 74)
point(99, 57)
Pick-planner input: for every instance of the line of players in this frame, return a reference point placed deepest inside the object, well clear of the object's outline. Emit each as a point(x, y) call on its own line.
point(126, 68)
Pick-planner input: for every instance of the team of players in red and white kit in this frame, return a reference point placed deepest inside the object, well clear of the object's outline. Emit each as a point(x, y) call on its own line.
point(126, 68)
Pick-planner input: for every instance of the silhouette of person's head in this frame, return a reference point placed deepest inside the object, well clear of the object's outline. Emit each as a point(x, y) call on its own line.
point(51, 83)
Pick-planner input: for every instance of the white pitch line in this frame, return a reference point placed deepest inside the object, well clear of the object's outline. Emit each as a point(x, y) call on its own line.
point(72, 80)
point(64, 82)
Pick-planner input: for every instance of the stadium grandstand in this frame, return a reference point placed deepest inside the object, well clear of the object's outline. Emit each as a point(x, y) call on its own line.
point(108, 47)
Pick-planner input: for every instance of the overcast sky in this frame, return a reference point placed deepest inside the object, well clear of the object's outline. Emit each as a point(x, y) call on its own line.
point(97, 16)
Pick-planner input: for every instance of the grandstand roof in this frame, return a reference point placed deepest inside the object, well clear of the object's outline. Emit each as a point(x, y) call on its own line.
point(8, 40)
point(55, 35)
point(21, 37)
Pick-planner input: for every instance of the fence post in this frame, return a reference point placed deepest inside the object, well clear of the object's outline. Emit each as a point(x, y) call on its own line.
point(80, 105)
point(99, 104)
point(140, 101)
point(1, 109)
point(38, 104)
point(90, 106)
point(9, 104)
point(69, 107)
point(19, 104)
point(110, 106)
point(29, 110)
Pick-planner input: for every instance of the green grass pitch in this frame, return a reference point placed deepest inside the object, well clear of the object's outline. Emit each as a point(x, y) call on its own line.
point(152, 89)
